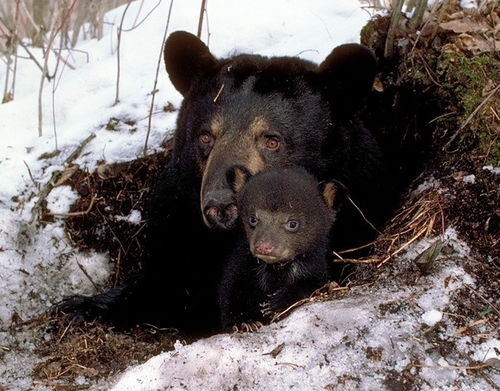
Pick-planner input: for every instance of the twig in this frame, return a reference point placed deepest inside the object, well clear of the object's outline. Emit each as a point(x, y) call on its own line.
point(303, 301)
point(143, 19)
point(153, 93)
point(360, 261)
point(428, 70)
point(473, 324)
point(117, 95)
point(473, 367)
point(45, 68)
point(33, 58)
point(469, 118)
point(363, 215)
point(484, 299)
point(200, 20)
point(37, 185)
point(218, 93)
point(75, 214)
point(337, 255)
point(87, 275)
point(403, 246)
point(440, 117)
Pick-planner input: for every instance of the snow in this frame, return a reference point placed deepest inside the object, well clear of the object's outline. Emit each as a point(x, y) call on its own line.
point(469, 179)
point(468, 4)
point(356, 342)
point(362, 341)
point(494, 170)
point(60, 199)
point(487, 350)
point(432, 317)
point(134, 217)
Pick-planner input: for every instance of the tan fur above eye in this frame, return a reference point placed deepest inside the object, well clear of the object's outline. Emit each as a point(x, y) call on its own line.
point(258, 126)
point(217, 125)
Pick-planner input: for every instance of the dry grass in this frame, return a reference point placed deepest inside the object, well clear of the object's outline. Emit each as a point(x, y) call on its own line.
point(419, 218)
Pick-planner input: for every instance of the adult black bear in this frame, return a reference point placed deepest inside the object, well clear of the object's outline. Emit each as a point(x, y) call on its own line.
point(255, 112)
point(282, 257)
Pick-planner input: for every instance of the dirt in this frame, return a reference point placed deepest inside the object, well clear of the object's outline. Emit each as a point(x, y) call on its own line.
point(419, 106)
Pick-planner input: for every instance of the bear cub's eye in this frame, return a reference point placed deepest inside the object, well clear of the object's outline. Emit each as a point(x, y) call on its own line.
point(292, 225)
point(272, 142)
point(252, 221)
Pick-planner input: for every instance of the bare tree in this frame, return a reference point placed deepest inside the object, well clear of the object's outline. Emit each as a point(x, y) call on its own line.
point(55, 29)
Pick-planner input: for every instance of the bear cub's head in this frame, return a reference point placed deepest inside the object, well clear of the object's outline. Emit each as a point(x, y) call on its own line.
point(286, 213)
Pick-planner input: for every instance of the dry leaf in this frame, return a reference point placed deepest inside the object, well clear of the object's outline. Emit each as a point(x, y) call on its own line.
point(476, 44)
point(68, 173)
point(378, 85)
point(464, 25)
point(426, 259)
point(277, 350)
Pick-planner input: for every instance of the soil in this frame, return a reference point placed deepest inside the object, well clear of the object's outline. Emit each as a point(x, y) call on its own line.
point(419, 106)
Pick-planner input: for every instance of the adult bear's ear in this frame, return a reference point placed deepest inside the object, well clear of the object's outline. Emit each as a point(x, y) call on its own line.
point(186, 58)
point(347, 75)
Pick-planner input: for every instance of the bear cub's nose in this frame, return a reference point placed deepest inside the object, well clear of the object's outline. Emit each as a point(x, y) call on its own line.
point(264, 248)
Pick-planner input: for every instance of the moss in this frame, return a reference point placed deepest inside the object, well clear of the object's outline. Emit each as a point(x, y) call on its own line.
point(467, 80)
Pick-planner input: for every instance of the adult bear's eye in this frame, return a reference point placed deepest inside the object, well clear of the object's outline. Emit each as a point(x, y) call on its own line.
point(272, 143)
point(206, 139)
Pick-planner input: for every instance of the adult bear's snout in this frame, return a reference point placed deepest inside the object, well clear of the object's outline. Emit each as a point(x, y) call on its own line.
point(219, 209)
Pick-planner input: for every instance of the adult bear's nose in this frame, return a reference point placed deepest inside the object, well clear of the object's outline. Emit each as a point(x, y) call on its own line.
point(219, 209)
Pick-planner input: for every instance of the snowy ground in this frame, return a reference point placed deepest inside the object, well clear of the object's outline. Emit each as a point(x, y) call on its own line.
point(353, 342)
point(368, 340)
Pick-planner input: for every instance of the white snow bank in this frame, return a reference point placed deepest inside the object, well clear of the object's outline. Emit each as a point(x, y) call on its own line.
point(363, 341)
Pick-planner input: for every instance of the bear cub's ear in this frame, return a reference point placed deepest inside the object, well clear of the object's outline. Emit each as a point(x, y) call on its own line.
point(237, 176)
point(347, 75)
point(186, 58)
point(333, 193)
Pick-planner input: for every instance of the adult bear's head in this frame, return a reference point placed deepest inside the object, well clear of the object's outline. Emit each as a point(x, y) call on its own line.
point(258, 112)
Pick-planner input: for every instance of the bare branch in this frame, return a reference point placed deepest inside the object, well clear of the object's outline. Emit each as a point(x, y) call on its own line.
point(153, 93)
point(120, 27)
point(143, 19)
point(200, 21)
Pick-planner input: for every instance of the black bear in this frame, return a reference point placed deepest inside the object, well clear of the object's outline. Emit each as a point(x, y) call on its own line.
point(287, 218)
point(255, 112)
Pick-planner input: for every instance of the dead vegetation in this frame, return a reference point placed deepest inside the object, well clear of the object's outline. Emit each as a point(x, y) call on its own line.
point(95, 351)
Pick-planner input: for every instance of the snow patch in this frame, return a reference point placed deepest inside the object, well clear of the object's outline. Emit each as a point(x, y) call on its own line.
point(493, 170)
point(487, 350)
point(469, 179)
point(432, 317)
point(356, 342)
point(134, 217)
point(468, 4)
point(61, 198)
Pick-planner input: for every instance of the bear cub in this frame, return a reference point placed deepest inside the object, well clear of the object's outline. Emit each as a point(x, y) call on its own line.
point(282, 255)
